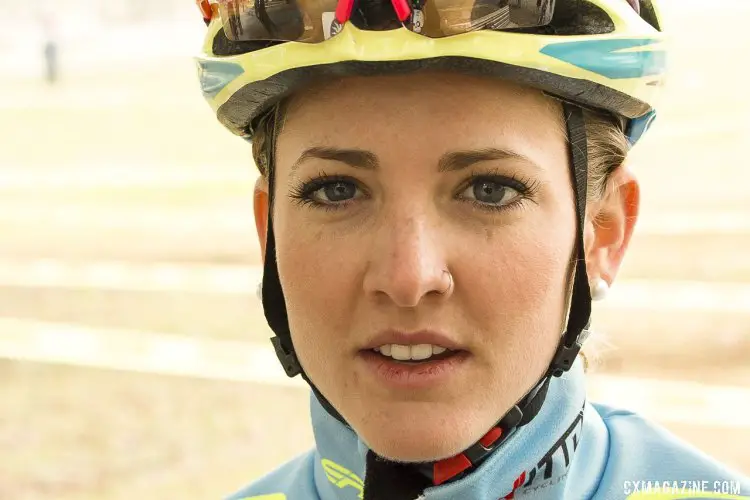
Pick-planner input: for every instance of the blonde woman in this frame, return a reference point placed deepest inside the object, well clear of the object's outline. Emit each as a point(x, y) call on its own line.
point(442, 195)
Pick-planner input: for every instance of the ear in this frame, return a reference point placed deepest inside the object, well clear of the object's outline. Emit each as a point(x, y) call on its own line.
point(261, 207)
point(610, 225)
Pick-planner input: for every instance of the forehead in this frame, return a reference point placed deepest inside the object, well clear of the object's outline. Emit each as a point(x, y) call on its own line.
point(422, 113)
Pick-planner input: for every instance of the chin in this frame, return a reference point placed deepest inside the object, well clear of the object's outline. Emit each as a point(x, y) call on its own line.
point(417, 442)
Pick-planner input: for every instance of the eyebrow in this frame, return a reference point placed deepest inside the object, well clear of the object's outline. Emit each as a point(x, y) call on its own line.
point(459, 160)
point(356, 158)
point(449, 162)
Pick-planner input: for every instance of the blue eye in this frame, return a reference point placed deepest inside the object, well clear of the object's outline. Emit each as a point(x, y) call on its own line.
point(329, 192)
point(491, 192)
point(334, 192)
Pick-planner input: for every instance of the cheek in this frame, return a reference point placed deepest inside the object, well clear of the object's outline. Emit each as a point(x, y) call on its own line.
point(313, 263)
point(521, 283)
point(318, 273)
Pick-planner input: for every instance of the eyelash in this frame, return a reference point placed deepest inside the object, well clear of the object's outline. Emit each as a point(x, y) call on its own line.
point(302, 193)
point(526, 187)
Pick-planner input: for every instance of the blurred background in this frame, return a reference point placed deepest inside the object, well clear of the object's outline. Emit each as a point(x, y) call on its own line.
point(134, 360)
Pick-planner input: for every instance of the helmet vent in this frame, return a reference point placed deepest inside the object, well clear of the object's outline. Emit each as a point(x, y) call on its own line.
point(648, 13)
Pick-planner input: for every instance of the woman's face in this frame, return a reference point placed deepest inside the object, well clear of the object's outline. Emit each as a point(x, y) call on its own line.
point(431, 209)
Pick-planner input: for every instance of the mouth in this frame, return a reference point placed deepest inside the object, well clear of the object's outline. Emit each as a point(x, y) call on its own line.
point(413, 367)
point(414, 354)
point(418, 345)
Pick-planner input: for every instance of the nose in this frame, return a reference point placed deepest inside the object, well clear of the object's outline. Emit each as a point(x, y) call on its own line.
point(407, 261)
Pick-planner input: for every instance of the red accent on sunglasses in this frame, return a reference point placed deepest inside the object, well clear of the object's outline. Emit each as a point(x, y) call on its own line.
point(403, 11)
point(344, 10)
point(206, 10)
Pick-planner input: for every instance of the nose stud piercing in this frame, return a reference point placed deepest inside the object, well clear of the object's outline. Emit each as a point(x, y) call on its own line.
point(450, 282)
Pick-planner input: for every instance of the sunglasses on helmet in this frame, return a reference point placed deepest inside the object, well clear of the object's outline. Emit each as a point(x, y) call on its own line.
point(313, 21)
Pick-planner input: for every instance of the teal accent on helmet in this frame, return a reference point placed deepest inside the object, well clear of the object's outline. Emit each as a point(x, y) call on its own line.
point(607, 57)
point(640, 126)
point(215, 75)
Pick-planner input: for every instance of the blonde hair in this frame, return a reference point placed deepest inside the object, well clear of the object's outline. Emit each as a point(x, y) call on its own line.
point(607, 150)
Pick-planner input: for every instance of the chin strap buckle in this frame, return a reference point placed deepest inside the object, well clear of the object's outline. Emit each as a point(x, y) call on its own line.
point(451, 468)
point(287, 357)
point(565, 355)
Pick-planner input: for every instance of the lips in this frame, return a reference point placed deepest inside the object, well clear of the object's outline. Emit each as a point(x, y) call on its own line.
point(431, 374)
point(417, 352)
point(414, 374)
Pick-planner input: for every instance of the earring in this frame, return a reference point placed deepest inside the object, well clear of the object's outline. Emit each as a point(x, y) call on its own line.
point(599, 290)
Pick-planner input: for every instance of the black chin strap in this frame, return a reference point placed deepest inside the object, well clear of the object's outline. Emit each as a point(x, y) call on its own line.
point(528, 407)
point(579, 317)
point(274, 306)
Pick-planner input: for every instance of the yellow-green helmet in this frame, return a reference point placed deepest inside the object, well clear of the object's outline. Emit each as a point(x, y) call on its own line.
point(600, 54)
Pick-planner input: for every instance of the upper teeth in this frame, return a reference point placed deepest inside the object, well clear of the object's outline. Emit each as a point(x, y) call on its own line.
point(407, 352)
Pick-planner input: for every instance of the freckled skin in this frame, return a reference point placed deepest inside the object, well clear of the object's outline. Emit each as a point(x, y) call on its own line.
point(377, 263)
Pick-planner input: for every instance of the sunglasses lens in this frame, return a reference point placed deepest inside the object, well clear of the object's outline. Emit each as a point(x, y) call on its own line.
point(283, 20)
point(440, 18)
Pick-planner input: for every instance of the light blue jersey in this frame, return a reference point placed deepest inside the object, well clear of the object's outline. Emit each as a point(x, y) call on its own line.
point(573, 450)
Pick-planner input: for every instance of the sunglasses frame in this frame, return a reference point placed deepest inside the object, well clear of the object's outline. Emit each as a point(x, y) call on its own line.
point(210, 9)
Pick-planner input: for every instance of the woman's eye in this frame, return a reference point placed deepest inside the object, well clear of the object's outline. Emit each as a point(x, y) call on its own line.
point(335, 192)
point(491, 192)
